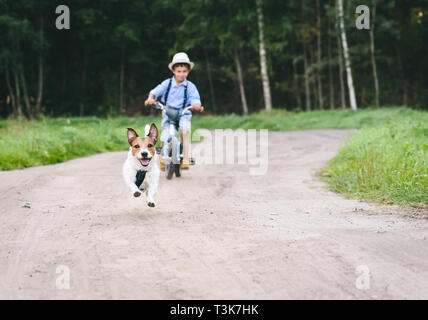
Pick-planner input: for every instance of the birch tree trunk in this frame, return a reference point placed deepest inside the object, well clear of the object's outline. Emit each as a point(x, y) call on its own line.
point(342, 83)
point(240, 82)
point(263, 67)
point(372, 50)
point(352, 98)
point(319, 69)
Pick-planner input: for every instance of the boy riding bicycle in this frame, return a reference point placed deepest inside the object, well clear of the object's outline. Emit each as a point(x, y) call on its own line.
point(177, 93)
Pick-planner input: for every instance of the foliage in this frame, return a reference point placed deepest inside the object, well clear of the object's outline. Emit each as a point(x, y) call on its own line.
point(386, 163)
point(82, 66)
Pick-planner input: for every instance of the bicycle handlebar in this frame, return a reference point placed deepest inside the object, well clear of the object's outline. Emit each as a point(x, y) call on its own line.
point(160, 106)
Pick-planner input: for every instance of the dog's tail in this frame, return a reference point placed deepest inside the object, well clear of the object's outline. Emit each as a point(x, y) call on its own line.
point(146, 130)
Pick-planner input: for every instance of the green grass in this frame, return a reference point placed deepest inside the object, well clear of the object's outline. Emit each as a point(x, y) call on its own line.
point(32, 143)
point(387, 159)
point(387, 163)
point(280, 120)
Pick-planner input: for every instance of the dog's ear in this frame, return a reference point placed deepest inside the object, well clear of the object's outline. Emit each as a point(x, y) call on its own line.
point(132, 135)
point(153, 133)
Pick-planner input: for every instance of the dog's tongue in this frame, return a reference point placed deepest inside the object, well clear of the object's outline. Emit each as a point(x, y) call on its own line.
point(144, 162)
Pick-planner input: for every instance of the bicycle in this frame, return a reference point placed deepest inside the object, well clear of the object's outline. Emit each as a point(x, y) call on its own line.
point(174, 146)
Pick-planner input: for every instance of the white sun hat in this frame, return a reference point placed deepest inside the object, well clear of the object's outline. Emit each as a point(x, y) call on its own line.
point(180, 57)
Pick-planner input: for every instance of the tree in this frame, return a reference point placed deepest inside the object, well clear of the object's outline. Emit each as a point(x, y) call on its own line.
point(352, 98)
point(201, 21)
point(116, 51)
point(372, 55)
point(263, 66)
point(342, 83)
point(330, 62)
point(319, 66)
point(19, 38)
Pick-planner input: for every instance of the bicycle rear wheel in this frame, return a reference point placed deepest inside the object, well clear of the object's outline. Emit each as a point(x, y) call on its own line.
point(169, 166)
point(169, 170)
point(177, 170)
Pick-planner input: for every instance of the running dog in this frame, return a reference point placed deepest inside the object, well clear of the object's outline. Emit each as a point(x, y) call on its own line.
point(141, 168)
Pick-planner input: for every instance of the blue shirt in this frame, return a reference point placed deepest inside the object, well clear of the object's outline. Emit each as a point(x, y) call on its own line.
point(176, 93)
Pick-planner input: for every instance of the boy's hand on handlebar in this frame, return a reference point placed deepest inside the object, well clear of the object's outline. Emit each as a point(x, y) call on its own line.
point(150, 101)
point(197, 107)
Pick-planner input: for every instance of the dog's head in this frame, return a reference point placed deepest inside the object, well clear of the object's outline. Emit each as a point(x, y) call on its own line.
point(143, 148)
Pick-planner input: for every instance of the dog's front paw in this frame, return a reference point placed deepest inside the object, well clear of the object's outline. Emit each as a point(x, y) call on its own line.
point(150, 204)
point(137, 194)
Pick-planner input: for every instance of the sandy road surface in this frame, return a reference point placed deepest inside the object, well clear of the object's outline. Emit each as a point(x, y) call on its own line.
point(216, 233)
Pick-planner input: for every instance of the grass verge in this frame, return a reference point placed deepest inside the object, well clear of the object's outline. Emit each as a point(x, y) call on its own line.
point(387, 163)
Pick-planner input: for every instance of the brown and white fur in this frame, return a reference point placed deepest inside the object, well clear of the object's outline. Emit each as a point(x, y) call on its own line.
point(142, 156)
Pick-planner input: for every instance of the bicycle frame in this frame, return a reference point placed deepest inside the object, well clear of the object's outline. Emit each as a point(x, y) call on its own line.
point(172, 147)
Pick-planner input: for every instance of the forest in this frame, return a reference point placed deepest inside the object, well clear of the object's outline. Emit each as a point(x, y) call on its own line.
point(249, 55)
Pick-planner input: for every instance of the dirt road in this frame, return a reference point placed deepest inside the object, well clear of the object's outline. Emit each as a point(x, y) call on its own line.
point(216, 233)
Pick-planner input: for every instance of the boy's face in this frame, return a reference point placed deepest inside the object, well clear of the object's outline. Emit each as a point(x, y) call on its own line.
point(180, 73)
